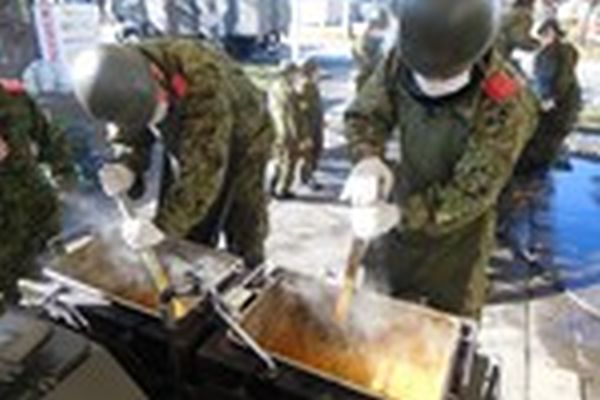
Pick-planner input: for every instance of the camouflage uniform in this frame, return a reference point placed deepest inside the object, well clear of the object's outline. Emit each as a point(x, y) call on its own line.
point(456, 154)
point(284, 106)
point(367, 51)
point(29, 207)
point(311, 108)
point(515, 32)
point(555, 79)
point(218, 133)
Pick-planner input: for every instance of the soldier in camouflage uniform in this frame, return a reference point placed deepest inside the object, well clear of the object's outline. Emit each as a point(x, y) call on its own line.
point(462, 118)
point(311, 108)
point(515, 31)
point(367, 49)
point(556, 84)
point(29, 207)
point(284, 105)
point(213, 123)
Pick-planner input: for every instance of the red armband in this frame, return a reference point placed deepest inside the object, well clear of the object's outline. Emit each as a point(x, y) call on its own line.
point(500, 86)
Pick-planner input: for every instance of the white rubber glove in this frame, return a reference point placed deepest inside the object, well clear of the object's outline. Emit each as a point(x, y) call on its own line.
point(369, 181)
point(370, 222)
point(141, 233)
point(115, 179)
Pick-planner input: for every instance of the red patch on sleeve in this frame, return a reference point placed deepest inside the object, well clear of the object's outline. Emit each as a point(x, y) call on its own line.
point(500, 86)
point(13, 86)
point(179, 85)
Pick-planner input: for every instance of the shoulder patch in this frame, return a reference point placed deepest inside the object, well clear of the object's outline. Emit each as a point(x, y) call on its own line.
point(500, 86)
point(13, 87)
point(179, 85)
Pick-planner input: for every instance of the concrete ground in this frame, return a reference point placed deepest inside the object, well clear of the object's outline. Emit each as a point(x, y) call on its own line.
point(546, 345)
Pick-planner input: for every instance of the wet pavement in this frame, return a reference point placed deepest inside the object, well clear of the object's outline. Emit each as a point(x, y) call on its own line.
point(574, 213)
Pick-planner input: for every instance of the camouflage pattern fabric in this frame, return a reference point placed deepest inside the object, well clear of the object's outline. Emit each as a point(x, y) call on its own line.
point(30, 212)
point(218, 136)
point(367, 51)
point(456, 153)
point(311, 108)
point(555, 79)
point(515, 32)
point(285, 109)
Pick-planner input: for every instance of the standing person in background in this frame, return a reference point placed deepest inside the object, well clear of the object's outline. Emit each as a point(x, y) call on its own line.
point(284, 106)
point(311, 106)
point(30, 212)
point(368, 48)
point(516, 29)
point(557, 85)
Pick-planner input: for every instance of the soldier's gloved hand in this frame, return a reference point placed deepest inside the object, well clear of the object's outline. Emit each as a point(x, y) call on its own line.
point(141, 233)
point(116, 179)
point(369, 222)
point(370, 181)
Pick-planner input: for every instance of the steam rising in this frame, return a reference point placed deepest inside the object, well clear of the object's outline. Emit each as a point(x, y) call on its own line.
point(100, 218)
point(370, 320)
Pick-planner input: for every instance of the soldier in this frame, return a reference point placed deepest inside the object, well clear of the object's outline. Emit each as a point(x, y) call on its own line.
point(462, 119)
point(515, 31)
point(557, 86)
point(284, 106)
point(312, 115)
point(368, 48)
point(212, 122)
point(30, 212)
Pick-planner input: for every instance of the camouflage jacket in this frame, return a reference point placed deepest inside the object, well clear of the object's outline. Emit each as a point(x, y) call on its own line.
point(457, 152)
point(312, 107)
point(555, 72)
point(284, 106)
point(37, 152)
point(217, 118)
point(367, 49)
point(515, 32)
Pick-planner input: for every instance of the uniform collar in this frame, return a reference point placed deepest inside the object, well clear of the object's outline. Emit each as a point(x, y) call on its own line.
point(408, 82)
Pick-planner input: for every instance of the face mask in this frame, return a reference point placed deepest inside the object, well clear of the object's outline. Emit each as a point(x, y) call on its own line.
point(442, 87)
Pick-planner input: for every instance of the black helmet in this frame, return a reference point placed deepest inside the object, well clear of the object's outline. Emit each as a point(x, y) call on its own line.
point(551, 24)
point(115, 84)
point(441, 38)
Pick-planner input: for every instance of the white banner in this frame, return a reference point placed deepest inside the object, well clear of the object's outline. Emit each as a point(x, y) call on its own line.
point(47, 29)
point(65, 29)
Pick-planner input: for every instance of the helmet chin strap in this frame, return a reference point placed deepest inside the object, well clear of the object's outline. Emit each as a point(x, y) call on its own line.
point(436, 87)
